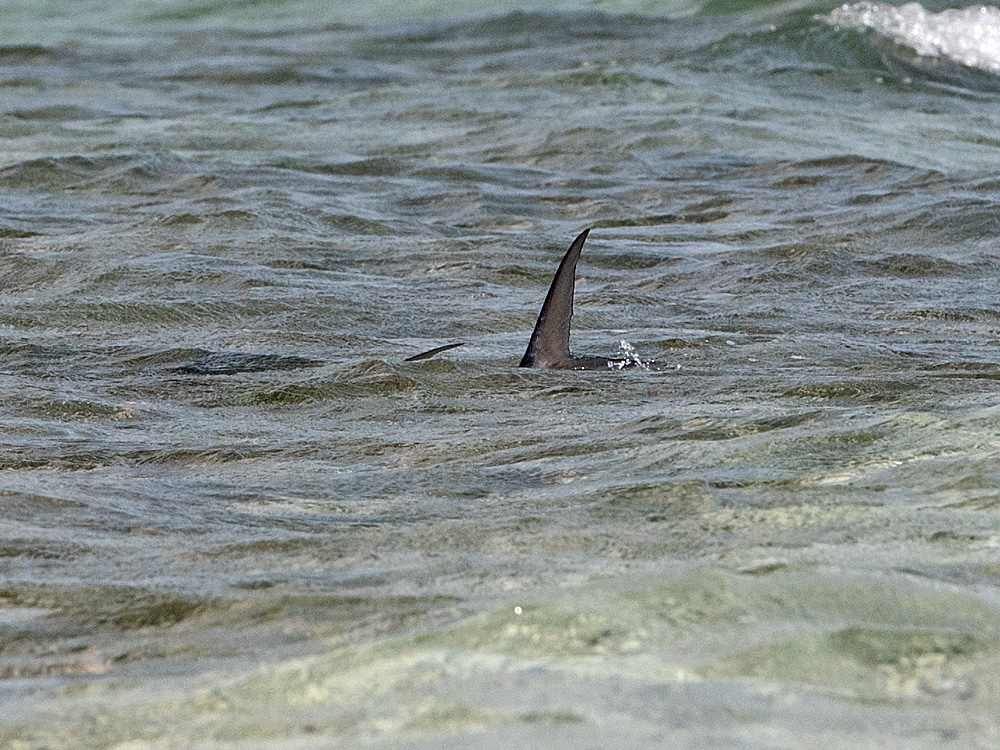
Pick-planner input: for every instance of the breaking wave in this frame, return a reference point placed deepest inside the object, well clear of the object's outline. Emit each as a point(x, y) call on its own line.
point(969, 36)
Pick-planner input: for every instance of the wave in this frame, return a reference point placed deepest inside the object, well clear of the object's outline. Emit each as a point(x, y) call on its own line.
point(968, 36)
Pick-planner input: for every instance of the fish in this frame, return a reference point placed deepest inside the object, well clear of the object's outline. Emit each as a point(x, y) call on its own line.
point(205, 362)
point(548, 346)
point(431, 352)
point(549, 343)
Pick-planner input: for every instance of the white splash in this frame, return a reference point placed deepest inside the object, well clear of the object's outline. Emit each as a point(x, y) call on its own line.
point(970, 36)
point(630, 358)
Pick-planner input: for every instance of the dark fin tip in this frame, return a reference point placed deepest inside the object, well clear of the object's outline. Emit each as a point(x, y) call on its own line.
point(431, 352)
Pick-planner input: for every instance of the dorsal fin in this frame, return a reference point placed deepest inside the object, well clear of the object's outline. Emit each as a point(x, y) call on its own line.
point(432, 352)
point(549, 344)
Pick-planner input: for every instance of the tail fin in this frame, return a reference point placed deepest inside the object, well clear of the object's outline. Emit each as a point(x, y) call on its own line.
point(549, 344)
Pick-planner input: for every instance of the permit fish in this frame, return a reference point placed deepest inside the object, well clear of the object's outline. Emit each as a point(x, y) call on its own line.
point(549, 342)
point(431, 352)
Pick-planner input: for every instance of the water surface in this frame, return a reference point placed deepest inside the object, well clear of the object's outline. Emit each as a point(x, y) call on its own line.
point(235, 517)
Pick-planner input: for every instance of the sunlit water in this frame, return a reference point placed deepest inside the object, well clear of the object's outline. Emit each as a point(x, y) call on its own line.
point(233, 516)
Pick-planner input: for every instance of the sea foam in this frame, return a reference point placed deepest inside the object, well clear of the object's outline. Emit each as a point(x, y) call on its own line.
point(970, 36)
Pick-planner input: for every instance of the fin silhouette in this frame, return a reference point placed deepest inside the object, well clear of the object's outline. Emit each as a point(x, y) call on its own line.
point(430, 353)
point(549, 344)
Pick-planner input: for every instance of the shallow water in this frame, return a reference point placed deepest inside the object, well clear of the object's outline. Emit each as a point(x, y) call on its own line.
point(234, 516)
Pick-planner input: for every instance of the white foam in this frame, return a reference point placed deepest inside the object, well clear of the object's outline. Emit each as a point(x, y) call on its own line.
point(630, 358)
point(970, 36)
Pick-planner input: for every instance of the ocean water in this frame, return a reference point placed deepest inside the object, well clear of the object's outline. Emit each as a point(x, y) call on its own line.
point(234, 517)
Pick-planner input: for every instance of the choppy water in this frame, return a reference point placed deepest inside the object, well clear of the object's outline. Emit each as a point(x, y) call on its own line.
point(234, 517)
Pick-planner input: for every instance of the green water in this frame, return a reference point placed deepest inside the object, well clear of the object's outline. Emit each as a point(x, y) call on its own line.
point(235, 517)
